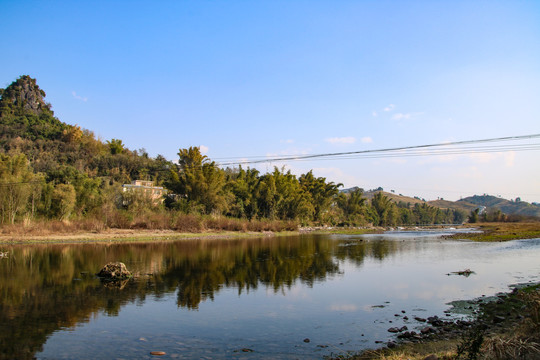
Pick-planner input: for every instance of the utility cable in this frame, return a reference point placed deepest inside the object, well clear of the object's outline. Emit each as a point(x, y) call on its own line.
point(403, 151)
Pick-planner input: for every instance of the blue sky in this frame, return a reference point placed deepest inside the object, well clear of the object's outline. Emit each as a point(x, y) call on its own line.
point(256, 78)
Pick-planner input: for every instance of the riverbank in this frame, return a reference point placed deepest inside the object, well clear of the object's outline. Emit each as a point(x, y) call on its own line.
point(141, 235)
point(506, 326)
point(159, 228)
point(72, 232)
point(501, 231)
point(127, 235)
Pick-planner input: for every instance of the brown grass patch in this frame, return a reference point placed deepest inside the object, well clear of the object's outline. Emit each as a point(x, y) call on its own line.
point(152, 221)
point(510, 348)
point(188, 223)
point(503, 231)
point(227, 224)
point(144, 220)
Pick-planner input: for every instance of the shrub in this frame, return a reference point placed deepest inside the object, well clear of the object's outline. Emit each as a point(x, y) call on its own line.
point(188, 223)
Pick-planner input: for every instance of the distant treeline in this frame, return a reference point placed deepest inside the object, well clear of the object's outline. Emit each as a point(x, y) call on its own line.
point(197, 186)
point(52, 170)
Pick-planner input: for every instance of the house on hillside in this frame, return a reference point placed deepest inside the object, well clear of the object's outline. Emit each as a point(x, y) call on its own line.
point(146, 187)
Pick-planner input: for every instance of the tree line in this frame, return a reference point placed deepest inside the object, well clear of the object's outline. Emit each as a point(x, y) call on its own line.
point(52, 170)
point(196, 185)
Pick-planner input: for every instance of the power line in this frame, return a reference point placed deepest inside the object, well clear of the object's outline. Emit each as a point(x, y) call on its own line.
point(416, 150)
point(433, 153)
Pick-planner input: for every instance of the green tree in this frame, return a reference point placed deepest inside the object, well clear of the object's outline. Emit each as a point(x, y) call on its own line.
point(16, 184)
point(385, 209)
point(322, 193)
point(473, 216)
point(424, 213)
point(243, 186)
point(354, 208)
point(291, 201)
point(266, 197)
point(63, 201)
point(35, 193)
point(115, 146)
point(200, 182)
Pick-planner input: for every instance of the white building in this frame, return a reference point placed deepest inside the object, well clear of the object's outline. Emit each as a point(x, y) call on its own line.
point(146, 187)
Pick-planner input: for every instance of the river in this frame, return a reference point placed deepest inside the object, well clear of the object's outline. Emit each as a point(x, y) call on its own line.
point(299, 297)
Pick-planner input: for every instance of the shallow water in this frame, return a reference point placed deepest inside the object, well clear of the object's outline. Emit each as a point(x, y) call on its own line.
point(214, 299)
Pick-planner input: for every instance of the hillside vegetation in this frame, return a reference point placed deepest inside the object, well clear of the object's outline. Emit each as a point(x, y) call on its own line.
point(513, 207)
point(53, 171)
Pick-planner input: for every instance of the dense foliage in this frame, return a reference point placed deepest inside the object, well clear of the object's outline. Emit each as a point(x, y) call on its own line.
point(52, 170)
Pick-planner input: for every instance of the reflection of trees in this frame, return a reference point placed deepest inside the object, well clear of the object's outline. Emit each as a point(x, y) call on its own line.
point(46, 288)
point(25, 326)
point(276, 264)
point(356, 250)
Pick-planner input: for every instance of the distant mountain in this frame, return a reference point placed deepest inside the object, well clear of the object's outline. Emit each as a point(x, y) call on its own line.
point(456, 205)
point(491, 203)
point(510, 207)
point(397, 198)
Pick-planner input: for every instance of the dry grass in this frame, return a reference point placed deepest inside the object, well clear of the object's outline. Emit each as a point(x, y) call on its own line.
point(522, 340)
point(151, 221)
point(43, 228)
point(510, 348)
point(146, 220)
point(227, 224)
point(408, 352)
point(188, 223)
point(272, 225)
point(504, 231)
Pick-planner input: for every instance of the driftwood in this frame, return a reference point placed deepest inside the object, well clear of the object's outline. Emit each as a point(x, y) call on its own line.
point(466, 272)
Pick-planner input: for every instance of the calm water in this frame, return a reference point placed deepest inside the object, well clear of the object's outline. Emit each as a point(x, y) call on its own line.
point(211, 299)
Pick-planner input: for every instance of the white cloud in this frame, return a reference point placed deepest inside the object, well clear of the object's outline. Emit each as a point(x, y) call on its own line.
point(287, 141)
point(204, 149)
point(341, 140)
point(389, 108)
point(366, 140)
point(374, 113)
point(400, 116)
point(78, 97)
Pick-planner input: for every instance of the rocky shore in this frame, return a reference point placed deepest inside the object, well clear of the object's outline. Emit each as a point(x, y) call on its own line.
point(505, 326)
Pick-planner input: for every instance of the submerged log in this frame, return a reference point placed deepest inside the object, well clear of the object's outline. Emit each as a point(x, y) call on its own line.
point(466, 272)
point(114, 271)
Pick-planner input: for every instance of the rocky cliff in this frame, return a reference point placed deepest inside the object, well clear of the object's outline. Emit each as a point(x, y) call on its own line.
point(23, 97)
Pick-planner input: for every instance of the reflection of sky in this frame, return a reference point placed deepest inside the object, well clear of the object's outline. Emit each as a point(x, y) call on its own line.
point(348, 311)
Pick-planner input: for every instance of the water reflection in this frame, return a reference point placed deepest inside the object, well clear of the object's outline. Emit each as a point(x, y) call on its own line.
point(49, 287)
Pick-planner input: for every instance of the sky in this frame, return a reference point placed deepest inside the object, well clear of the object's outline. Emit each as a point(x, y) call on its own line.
point(271, 78)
